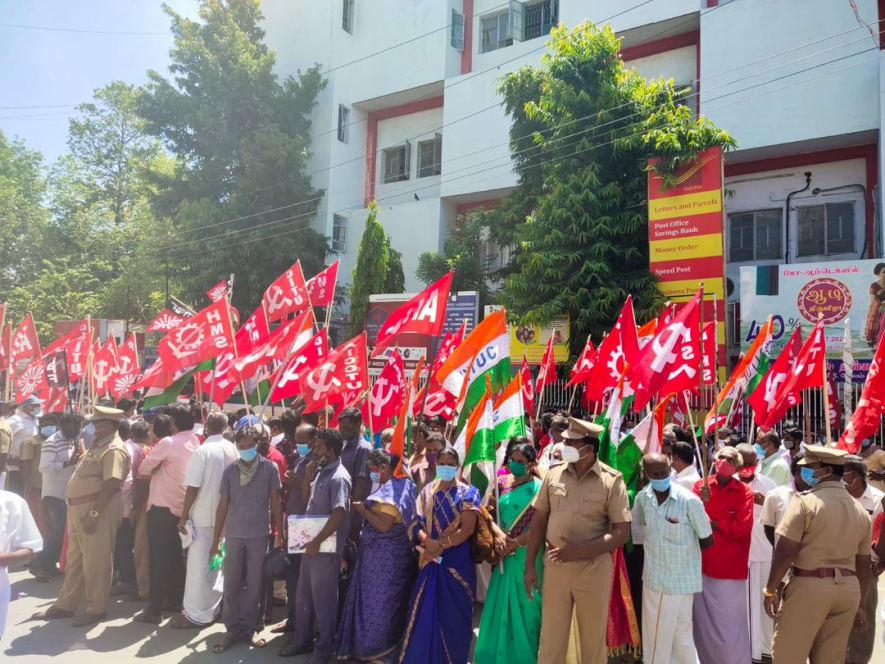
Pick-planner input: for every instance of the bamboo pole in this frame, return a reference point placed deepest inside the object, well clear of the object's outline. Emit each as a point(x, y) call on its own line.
point(694, 436)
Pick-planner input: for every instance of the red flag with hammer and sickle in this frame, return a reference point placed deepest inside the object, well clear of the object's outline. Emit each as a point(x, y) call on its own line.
point(306, 358)
point(286, 295)
point(104, 366)
point(387, 394)
point(345, 370)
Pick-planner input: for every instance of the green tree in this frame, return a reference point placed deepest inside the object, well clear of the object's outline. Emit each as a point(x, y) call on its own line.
point(22, 216)
point(461, 254)
point(370, 272)
point(583, 130)
point(240, 196)
point(395, 281)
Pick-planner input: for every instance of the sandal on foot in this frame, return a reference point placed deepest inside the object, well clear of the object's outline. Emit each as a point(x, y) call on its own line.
point(181, 621)
point(254, 640)
point(145, 617)
point(88, 619)
point(51, 613)
point(227, 642)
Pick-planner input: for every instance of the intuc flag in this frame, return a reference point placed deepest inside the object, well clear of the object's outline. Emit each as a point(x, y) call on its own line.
point(423, 314)
point(25, 343)
point(321, 287)
point(346, 369)
point(165, 321)
point(509, 415)
point(547, 371)
point(200, 338)
point(286, 295)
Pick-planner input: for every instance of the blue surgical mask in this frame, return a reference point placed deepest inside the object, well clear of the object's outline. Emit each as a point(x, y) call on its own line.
point(375, 477)
point(303, 450)
point(760, 451)
point(660, 485)
point(446, 473)
point(89, 429)
point(48, 431)
point(248, 455)
point(808, 476)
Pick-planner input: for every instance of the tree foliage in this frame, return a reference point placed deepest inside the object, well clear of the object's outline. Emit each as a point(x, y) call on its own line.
point(370, 272)
point(240, 196)
point(396, 277)
point(583, 130)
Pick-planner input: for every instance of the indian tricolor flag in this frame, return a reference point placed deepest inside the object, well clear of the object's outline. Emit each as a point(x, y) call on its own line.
point(476, 442)
point(509, 415)
point(649, 433)
point(484, 354)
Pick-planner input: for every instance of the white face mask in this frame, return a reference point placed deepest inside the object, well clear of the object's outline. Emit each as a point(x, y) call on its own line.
point(570, 454)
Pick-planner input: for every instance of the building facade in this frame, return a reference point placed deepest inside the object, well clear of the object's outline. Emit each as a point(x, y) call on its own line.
point(411, 117)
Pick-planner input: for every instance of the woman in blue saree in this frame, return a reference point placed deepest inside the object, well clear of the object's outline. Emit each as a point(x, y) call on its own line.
point(374, 616)
point(440, 622)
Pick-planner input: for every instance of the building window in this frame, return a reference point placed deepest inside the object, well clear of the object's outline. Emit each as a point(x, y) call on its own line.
point(347, 15)
point(339, 233)
point(457, 30)
point(493, 257)
point(396, 163)
point(539, 18)
point(496, 32)
point(430, 157)
point(755, 236)
point(828, 229)
point(343, 114)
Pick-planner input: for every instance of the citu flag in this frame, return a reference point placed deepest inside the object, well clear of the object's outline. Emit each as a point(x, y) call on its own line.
point(528, 391)
point(671, 362)
point(76, 346)
point(56, 400)
point(344, 370)
point(835, 408)
point(387, 393)
point(303, 360)
point(808, 369)
point(286, 295)
point(292, 334)
point(104, 366)
point(583, 368)
point(867, 415)
point(253, 333)
point(401, 443)
point(708, 349)
point(25, 343)
point(618, 348)
point(423, 314)
point(767, 410)
point(127, 368)
point(199, 338)
point(321, 287)
point(439, 401)
point(547, 371)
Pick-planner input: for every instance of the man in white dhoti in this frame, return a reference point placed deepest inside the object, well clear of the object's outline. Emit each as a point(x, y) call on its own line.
point(19, 541)
point(203, 587)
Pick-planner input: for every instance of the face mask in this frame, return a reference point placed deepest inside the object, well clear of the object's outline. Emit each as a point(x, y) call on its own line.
point(431, 458)
point(571, 454)
point(375, 477)
point(724, 468)
point(866, 443)
point(446, 473)
point(89, 429)
point(248, 455)
point(747, 472)
point(848, 485)
point(303, 450)
point(660, 485)
point(47, 431)
point(808, 476)
point(760, 451)
point(517, 469)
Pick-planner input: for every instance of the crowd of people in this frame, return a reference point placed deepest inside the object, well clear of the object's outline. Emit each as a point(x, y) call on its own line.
point(735, 552)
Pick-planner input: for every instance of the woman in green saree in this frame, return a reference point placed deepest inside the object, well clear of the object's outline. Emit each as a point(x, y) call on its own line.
point(511, 624)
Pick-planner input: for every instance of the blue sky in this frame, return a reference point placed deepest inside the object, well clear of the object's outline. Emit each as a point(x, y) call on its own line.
point(58, 69)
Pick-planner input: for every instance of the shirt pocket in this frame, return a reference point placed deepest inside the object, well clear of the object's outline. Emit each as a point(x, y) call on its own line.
point(558, 497)
point(593, 504)
point(677, 533)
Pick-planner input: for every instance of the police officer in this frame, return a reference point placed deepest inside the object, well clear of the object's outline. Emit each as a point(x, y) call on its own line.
point(95, 511)
point(825, 538)
point(582, 513)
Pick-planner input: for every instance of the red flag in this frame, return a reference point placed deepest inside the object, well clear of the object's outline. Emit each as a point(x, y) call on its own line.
point(199, 338)
point(708, 342)
point(671, 361)
point(104, 366)
point(528, 390)
point(321, 287)
point(5, 345)
point(165, 321)
point(295, 332)
point(32, 380)
point(547, 372)
point(449, 343)
point(808, 369)
point(25, 343)
point(218, 291)
point(583, 368)
point(307, 358)
point(423, 314)
point(867, 414)
point(387, 393)
point(127, 368)
point(345, 369)
point(286, 295)
point(398, 445)
point(835, 408)
point(76, 346)
point(154, 376)
point(253, 333)
point(616, 350)
point(767, 410)
point(56, 400)
point(56, 369)
point(439, 402)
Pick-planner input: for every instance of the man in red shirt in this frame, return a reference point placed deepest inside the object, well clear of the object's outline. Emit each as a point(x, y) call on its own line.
point(721, 632)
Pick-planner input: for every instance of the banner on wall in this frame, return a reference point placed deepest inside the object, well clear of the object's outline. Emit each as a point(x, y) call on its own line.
point(797, 294)
point(531, 340)
point(685, 236)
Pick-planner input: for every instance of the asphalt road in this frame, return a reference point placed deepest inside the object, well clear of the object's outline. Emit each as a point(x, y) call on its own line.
point(120, 637)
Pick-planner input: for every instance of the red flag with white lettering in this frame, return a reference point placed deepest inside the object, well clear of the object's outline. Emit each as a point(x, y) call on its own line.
point(528, 390)
point(867, 415)
point(76, 346)
point(56, 369)
point(708, 343)
point(423, 314)
point(165, 321)
point(127, 368)
point(286, 295)
point(387, 393)
point(253, 333)
point(218, 291)
point(294, 333)
point(345, 369)
point(199, 338)
point(547, 372)
point(305, 359)
point(583, 368)
point(31, 380)
point(671, 361)
point(767, 410)
point(835, 407)
point(25, 343)
point(154, 376)
point(616, 350)
point(808, 369)
point(104, 366)
point(321, 287)
point(56, 400)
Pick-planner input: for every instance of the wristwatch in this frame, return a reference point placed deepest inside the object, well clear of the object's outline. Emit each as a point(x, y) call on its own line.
point(767, 593)
point(94, 514)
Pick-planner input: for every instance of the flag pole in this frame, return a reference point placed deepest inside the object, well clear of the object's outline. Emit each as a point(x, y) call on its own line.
point(694, 435)
point(369, 399)
point(279, 375)
point(826, 386)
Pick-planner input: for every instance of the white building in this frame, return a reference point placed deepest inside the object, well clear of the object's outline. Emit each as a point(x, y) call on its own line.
point(411, 117)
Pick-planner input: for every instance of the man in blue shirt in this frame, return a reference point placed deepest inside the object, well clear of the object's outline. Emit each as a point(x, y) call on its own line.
point(676, 529)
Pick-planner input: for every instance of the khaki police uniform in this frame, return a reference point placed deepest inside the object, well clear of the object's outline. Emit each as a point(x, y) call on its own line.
point(822, 597)
point(5, 436)
point(579, 509)
point(90, 558)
